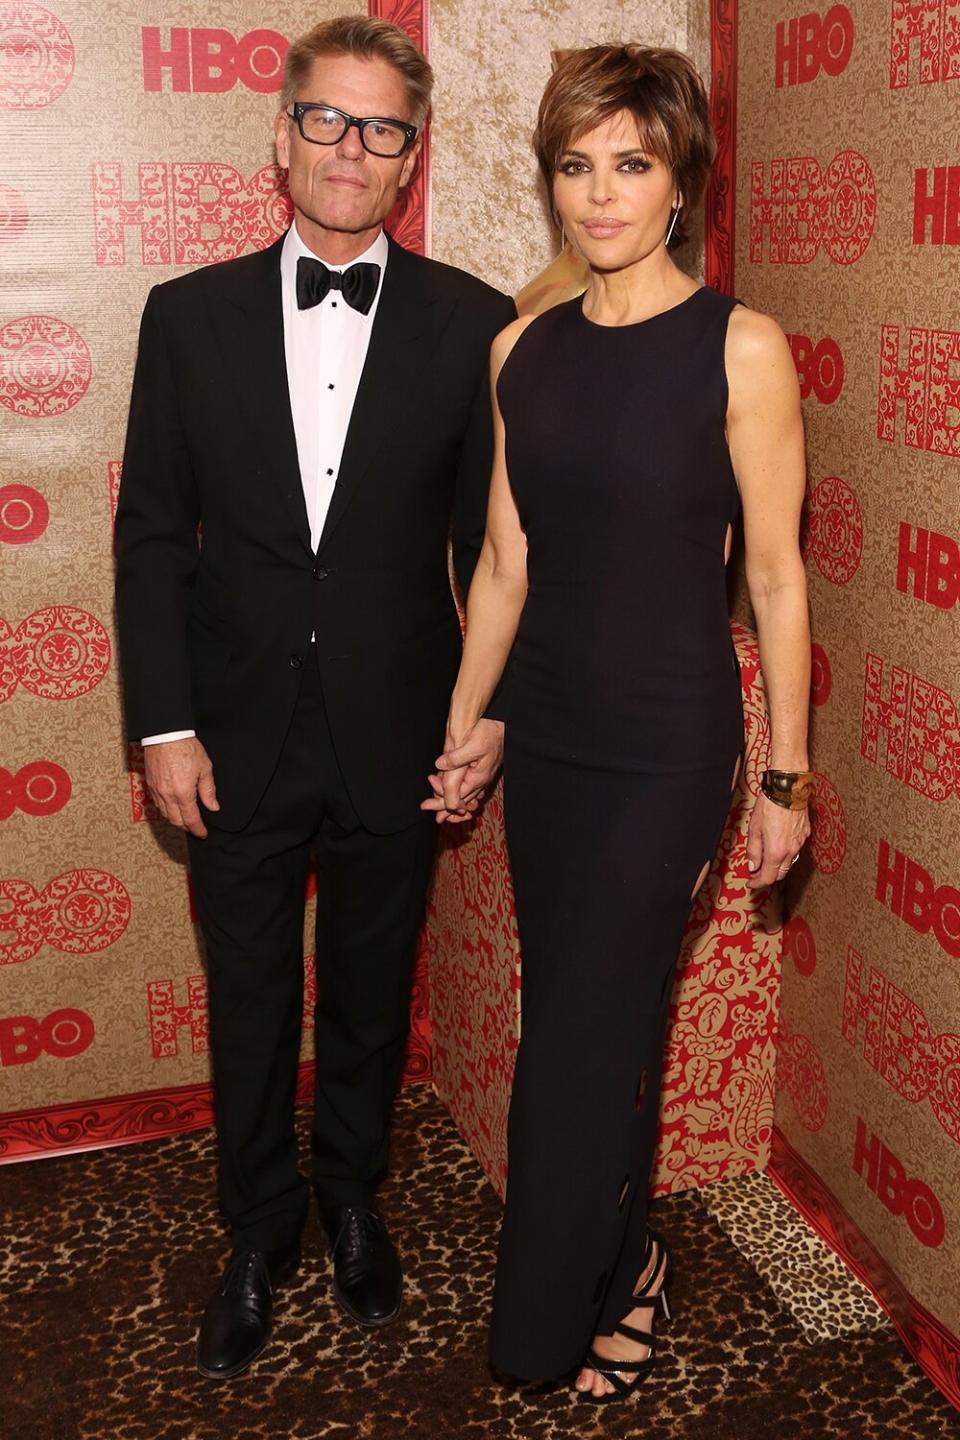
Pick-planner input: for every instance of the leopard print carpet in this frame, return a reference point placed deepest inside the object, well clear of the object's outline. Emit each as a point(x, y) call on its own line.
point(824, 1297)
point(107, 1258)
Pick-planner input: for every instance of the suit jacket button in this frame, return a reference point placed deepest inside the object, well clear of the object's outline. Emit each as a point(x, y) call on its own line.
point(296, 662)
point(319, 573)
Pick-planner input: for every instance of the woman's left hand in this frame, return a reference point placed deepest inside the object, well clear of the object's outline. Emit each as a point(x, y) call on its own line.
point(774, 841)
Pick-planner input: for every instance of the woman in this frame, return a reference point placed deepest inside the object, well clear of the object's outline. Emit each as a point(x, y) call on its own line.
point(632, 424)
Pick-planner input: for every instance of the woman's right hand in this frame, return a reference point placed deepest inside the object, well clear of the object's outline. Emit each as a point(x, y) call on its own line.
point(464, 771)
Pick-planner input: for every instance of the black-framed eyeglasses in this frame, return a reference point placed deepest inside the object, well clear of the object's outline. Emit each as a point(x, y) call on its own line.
point(325, 125)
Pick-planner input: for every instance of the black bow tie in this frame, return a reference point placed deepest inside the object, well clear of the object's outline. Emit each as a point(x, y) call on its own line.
point(358, 284)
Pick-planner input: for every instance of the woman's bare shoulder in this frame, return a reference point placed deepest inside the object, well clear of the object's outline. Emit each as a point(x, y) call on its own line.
point(754, 338)
point(761, 374)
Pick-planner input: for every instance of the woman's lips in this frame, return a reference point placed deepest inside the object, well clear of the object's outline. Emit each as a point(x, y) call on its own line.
point(601, 229)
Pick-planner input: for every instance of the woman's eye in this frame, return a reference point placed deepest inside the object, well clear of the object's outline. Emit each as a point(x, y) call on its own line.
point(635, 166)
point(572, 167)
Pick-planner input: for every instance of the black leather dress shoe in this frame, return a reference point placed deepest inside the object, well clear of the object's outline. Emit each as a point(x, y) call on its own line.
point(236, 1323)
point(367, 1282)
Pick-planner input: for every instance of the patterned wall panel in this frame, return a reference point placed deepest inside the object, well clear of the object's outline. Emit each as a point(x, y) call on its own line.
point(847, 228)
point(137, 144)
point(492, 63)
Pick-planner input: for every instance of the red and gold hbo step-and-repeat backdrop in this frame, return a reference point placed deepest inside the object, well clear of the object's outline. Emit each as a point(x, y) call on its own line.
point(137, 143)
point(837, 209)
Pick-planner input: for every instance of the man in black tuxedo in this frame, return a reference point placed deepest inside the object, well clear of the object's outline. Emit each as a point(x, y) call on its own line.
point(320, 413)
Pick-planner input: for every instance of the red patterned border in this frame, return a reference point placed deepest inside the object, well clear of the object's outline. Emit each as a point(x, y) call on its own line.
point(720, 220)
point(116, 1120)
point(409, 223)
point(935, 1349)
point(99, 1124)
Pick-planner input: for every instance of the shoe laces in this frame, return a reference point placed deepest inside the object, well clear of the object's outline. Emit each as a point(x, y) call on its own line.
point(240, 1271)
point(357, 1226)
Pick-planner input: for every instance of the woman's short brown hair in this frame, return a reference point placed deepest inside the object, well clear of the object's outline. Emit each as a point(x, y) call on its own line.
point(659, 88)
point(368, 39)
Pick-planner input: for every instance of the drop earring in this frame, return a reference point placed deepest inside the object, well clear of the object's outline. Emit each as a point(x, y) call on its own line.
point(672, 224)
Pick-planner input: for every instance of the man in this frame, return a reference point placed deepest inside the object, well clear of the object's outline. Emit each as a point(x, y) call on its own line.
point(320, 412)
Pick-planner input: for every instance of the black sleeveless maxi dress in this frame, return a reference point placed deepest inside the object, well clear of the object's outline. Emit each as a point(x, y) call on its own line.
point(624, 726)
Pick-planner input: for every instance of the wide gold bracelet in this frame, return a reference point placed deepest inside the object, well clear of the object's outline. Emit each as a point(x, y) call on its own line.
point(790, 789)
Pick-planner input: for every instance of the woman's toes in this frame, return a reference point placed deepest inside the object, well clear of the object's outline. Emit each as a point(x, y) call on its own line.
point(585, 1379)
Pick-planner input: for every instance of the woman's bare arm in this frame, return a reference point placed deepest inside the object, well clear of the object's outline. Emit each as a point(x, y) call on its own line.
point(765, 435)
point(473, 748)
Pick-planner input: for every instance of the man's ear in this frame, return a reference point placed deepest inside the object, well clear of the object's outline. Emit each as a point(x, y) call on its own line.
point(281, 132)
point(410, 161)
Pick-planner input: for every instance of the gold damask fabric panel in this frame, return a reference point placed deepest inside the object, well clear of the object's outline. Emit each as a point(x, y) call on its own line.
point(847, 227)
point(492, 62)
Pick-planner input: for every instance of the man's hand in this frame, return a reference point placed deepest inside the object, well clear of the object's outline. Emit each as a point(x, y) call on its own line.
point(177, 771)
point(464, 772)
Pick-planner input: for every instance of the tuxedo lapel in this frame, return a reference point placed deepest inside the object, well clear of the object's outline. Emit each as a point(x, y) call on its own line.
point(402, 337)
point(249, 316)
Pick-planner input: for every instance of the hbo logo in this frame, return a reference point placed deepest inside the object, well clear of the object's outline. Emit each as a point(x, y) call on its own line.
point(211, 61)
point(903, 1195)
point(62, 1034)
point(810, 43)
point(819, 367)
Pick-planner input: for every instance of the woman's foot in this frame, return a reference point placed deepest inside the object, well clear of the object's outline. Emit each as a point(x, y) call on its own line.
point(620, 1347)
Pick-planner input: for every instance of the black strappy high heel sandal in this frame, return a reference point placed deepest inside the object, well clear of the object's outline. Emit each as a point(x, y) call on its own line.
point(613, 1371)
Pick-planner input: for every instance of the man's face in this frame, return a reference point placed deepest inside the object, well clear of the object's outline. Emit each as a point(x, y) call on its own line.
point(342, 188)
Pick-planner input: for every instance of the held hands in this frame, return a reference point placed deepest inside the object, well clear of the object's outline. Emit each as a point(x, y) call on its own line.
point(465, 771)
point(774, 840)
point(177, 772)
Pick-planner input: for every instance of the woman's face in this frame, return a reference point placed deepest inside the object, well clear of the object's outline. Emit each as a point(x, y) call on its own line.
point(613, 195)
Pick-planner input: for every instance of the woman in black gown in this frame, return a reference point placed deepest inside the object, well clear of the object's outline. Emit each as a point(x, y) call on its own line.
point(633, 424)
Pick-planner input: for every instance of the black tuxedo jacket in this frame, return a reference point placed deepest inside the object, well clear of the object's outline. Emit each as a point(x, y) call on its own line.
point(218, 591)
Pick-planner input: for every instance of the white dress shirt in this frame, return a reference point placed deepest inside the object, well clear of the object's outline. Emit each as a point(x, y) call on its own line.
point(325, 349)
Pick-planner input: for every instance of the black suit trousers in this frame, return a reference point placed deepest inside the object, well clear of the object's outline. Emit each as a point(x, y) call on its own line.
point(249, 889)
